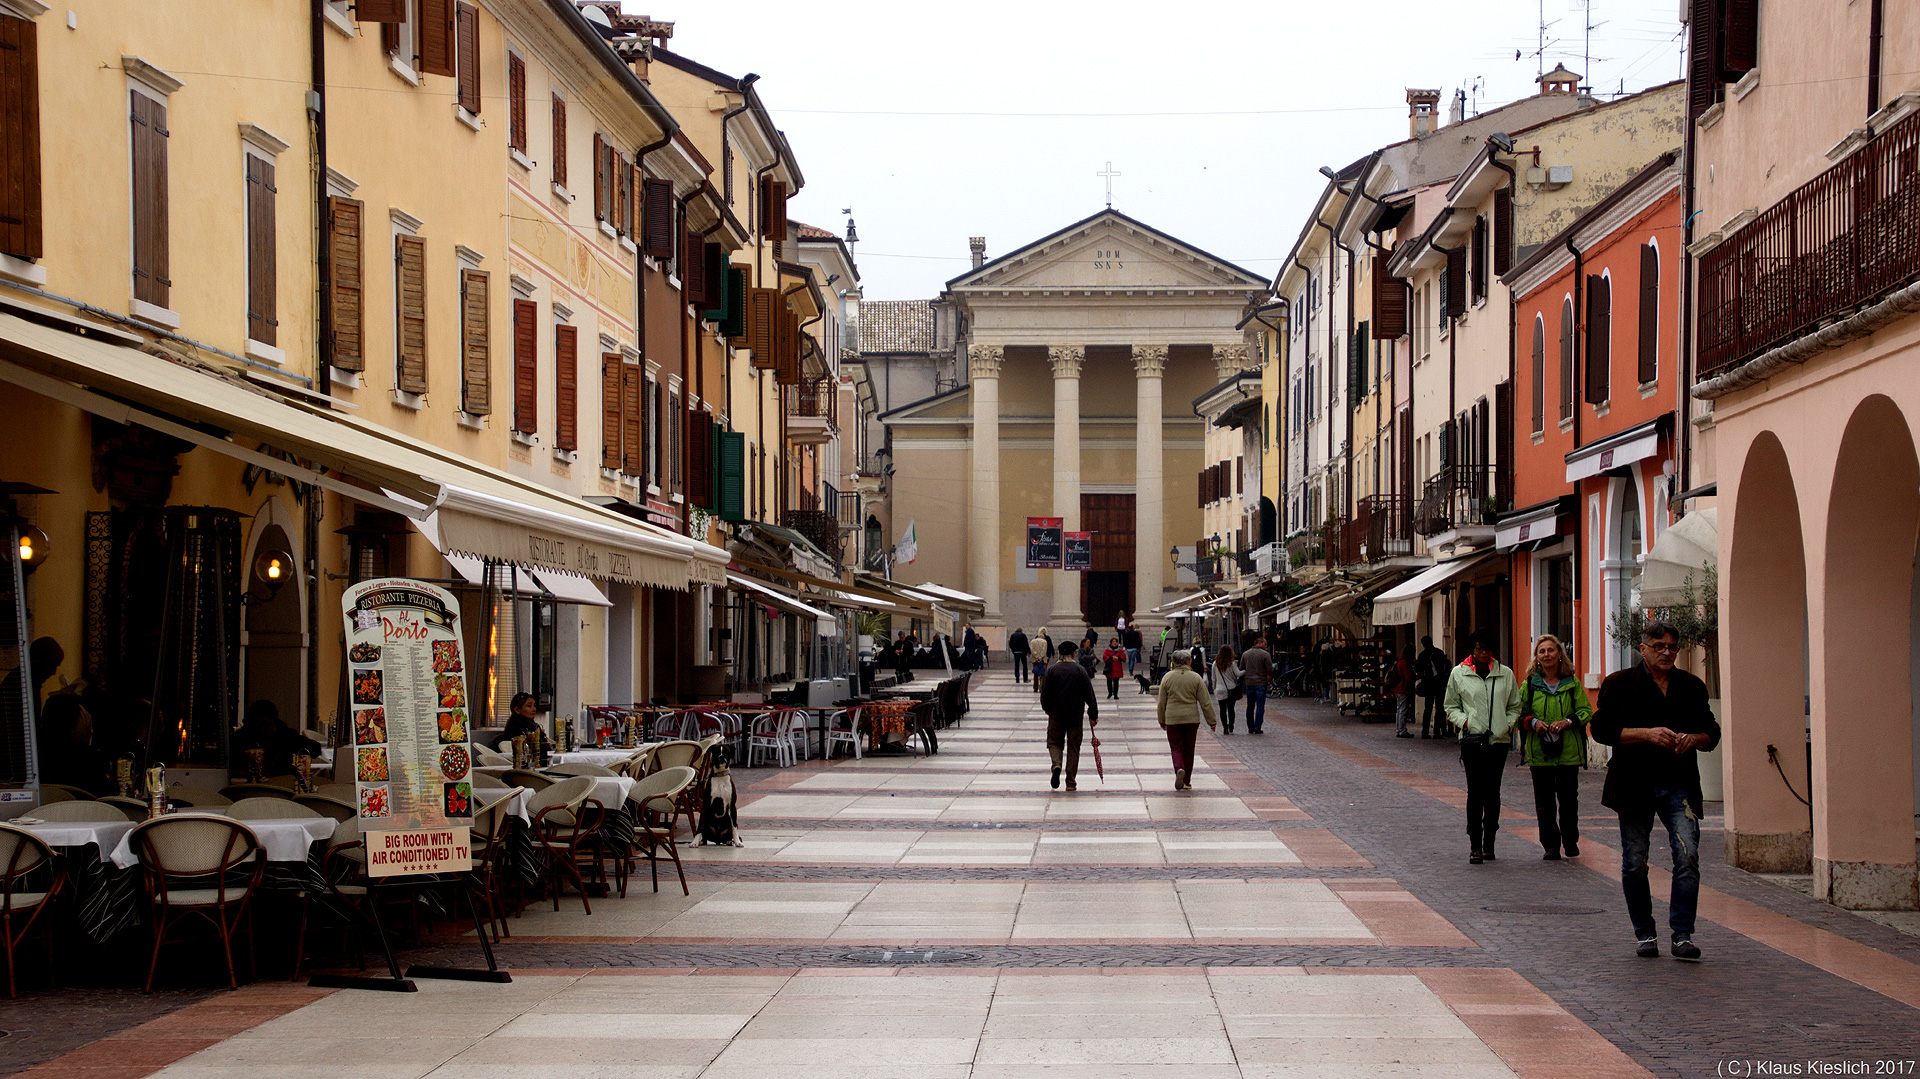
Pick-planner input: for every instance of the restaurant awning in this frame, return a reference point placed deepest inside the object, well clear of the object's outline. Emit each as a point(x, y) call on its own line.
point(480, 511)
point(542, 584)
point(1180, 605)
point(786, 601)
point(1400, 605)
point(953, 596)
point(1686, 551)
point(1617, 451)
point(1532, 526)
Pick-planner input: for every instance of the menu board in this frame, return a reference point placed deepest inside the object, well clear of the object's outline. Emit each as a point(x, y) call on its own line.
point(411, 755)
point(1079, 550)
point(1043, 542)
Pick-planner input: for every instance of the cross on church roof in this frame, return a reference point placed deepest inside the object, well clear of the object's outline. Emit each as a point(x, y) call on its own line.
point(1109, 173)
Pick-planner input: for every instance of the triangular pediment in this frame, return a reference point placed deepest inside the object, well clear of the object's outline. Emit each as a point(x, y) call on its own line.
point(1108, 251)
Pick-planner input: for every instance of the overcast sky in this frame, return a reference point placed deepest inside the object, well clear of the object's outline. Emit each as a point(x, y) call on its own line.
point(939, 122)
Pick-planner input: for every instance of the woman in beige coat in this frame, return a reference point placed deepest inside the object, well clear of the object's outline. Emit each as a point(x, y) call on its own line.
point(1184, 701)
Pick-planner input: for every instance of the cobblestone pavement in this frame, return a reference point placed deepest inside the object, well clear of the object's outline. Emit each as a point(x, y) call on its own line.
point(1306, 909)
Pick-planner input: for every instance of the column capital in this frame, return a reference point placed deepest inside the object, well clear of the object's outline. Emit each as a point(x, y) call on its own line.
point(985, 361)
point(1228, 360)
point(1149, 361)
point(1066, 360)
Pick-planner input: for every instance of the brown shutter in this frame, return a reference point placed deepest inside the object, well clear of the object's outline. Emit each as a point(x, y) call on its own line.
point(658, 220)
point(633, 459)
point(787, 349)
point(262, 253)
point(763, 305)
point(1457, 283)
point(410, 278)
point(1566, 359)
point(516, 102)
point(1740, 39)
point(468, 62)
point(1539, 375)
point(694, 447)
point(20, 220)
point(345, 291)
point(559, 149)
point(1599, 338)
point(1479, 259)
point(390, 35)
point(526, 366)
point(773, 210)
point(629, 197)
point(433, 41)
point(612, 420)
point(1503, 445)
point(713, 273)
point(1502, 230)
point(599, 177)
point(1703, 60)
point(566, 382)
point(151, 281)
point(1649, 313)
point(693, 268)
point(1389, 303)
point(380, 10)
point(476, 342)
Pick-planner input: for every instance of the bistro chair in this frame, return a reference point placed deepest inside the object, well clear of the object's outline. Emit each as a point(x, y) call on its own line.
point(237, 791)
point(199, 866)
point(76, 812)
point(581, 769)
point(29, 880)
point(344, 792)
point(564, 816)
point(327, 807)
point(652, 803)
point(196, 797)
point(487, 781)
point(843, 728)
point(488, 840)
point(676, 754)
point(131, 808)
point(491, 758)
point(61, 792)
point(528, 778)
point(772, 732)
point(270, 809)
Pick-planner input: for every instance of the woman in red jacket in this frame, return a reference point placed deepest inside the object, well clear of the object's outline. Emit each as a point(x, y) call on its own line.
point(1114, 659)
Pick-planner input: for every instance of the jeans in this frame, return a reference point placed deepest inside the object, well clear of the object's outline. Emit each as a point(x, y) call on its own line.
point(1180, 738)
point(1485, 765)
point(1556, 800)
point(1671, 805)
point(1256, 708)
point(1225, 707)
point(1133, 660)
point(1063, 745)
point(1432, 715)
point(1403, 713)
point(1022, 666)
point(1113, 688)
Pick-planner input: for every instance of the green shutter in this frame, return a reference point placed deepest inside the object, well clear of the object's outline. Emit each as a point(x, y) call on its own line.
point(723, 294)
point(734, 324)
point(733, 476)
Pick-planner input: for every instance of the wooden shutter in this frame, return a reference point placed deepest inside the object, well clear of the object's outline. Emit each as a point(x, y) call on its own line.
point(467, 31)
point(733, 476)
point(1703, 61)
point(773, 209)
point(262, 253)
point(763, 307)
point(1503, 444)
point(1566, 359)
point(692, 268)
point(1239, 475)
point(658, 219)
point(380, 10)
point(1446, 443)
point(788, 350)
point(410, 284)
point(1539, 370)
point(1389, 303)
point(152, 282)
point(599, 177)
point(1479, 259)
point(516, 102)
point(1739, 39)
point(1503, 230)
point(714, 303)
point(559, 149)
point(633, 450)
point(566, 386)
point(20, 214)
point(345, 289)
point(1457, 283)
point(699, 491)
point(1649, 313)
point(526, 366)
point(1599, 338)
point(434, 39)
point(612, 416)
point(476, 342)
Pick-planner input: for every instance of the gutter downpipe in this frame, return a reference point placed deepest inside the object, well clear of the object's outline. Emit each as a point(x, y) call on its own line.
point(640, 282)
point(1333, 241)
point(726, 144)
point(323, 369)
point(1351, 327)
point(1683, 358)
point(1579, 515)
point(1513, 341)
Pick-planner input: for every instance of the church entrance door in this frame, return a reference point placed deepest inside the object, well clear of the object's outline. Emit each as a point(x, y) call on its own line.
point(1108, 587)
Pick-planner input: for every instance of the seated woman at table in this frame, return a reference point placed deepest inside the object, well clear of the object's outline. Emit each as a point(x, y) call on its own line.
point(264, 730)
point(522, 723)
point(67, 755)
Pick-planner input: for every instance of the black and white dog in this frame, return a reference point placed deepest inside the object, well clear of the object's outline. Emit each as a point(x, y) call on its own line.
point(1146, 684)
point(720, 815)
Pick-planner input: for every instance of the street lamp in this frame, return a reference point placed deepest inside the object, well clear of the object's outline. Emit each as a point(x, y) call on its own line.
point(273, 568)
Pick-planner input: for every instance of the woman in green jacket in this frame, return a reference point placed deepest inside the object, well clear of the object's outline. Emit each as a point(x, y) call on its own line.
point(1554, 714)
point(1482, 702)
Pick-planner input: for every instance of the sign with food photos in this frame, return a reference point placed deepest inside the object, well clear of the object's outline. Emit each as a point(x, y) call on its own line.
point(412, 754)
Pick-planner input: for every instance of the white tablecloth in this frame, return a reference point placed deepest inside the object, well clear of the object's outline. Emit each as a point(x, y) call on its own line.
point(605, 758)
point(106, 834)
point(609, 791)
point(286, 839)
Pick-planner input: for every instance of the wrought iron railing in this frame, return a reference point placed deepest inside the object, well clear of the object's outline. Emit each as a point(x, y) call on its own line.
point(818, 399)
point(809, 499)
point(1847, 237)
point(1459, 496)
point(819, 527)
point(845, 506)
point(1386, 528)
point(873, 464)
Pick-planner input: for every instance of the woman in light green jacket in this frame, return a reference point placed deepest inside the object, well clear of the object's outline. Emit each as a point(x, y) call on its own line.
point(1184, 702)
point(1554, 714)
point(1482, 702)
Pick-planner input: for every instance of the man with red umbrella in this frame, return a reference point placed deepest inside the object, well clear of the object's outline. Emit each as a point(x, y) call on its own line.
point(1065, 695)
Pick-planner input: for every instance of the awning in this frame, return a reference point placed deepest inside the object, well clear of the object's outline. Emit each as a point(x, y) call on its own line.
point(786, 601)
point(1540, 523)
point(546, 584)
point(1688, 550)
point(1183, 603)
point(1617, 451)
point(1400, 605)
point(836, 598)
point(958, 597)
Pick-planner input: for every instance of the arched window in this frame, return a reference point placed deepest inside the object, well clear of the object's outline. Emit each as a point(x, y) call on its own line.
point(1539, 374)
point(1599, 338)
point(1566, 359)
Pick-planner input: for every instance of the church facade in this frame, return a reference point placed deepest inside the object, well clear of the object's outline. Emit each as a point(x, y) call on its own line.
point(1085, 353)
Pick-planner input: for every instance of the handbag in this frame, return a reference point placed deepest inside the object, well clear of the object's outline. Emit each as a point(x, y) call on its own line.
point(1550, 741)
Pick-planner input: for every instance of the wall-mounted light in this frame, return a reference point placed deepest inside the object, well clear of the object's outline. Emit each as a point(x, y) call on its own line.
point(34, 547)
point(273, 568)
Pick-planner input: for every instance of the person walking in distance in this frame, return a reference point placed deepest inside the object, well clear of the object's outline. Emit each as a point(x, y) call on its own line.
point(1656, 716)
point(1256, 674)
point(1066, 694)
point(1554, 714)
point(1430, 682)
point(1223, 685)
point(1019, 648)
point(1400, 684)
point(1131, 640)
point(1483, 701)
point(1184, 702)
point(1113, 663)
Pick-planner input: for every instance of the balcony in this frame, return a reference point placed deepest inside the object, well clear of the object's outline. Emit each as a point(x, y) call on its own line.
point(1458, 505)
point(1843, 240)
point(844, 505)
point(1385, 528)
point(811, 411)
point(818, 526)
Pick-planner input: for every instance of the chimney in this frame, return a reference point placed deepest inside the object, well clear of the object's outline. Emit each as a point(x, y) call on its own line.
point(1421, 120)
point(978, 246)
point(1559, 81)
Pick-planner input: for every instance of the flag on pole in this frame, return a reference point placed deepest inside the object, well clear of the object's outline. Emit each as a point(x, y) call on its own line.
point(908, 548)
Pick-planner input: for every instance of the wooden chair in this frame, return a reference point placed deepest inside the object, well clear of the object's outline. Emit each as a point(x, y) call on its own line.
point(653, 802)
point(199, 866)
point(30, 878)
point(85, 812)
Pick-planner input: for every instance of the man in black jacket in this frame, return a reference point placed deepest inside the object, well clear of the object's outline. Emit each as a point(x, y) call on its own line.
point(1656, 718)
point(1021, 651)
point(1066, 693)
point(1430, 671)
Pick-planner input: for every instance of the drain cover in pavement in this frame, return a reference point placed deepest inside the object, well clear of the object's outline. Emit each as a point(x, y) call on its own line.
point(1541, 908)
point(895, 956)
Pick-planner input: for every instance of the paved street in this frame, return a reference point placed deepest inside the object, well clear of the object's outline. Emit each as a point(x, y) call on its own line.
point(1306, 909)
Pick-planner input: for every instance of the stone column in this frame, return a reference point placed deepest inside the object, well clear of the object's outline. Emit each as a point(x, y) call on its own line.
point(983, 555)
point(1066, 622)
point(1150, 559)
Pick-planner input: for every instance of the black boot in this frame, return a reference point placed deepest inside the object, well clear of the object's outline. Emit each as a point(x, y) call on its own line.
point(1486, 845)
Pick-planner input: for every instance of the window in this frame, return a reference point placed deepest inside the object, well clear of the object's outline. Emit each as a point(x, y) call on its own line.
point(650, 423)
point(1539, 374)
point(345, 297)
point(262, 250)
point(467, 57)
point(152, 280)
point(1649, 365)
point(1566, 359)
point(410, 311)
point(476, 343)
point(20, 221)
point(1479, 259)
point(676, 424)
point(1599, 338)
point(558, 151)
point(632, 421)
point(517, 103)
point(526, 366)
point(566, 388)
point(726, 172)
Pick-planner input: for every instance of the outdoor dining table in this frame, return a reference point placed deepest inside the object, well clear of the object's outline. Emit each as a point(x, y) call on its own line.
point(605, 758)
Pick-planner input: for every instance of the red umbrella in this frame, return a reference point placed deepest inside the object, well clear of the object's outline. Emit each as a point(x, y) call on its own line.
point(1097, 765)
